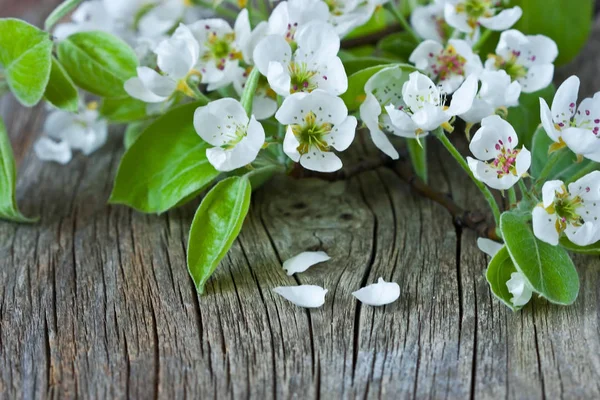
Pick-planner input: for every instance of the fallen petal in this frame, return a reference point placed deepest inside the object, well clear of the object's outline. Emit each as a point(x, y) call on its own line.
point(378, 294)
point(308, 296)
point(47, 149)
point(304, 261)
point(488, 246)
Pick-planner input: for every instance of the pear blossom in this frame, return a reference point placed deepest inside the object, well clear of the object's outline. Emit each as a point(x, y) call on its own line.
point(304, 261)
point(576, 127)
point(429, 23)
point(572, 210)
point(236, 138)
point(307, 296)
point(289, 16)
point(345, 15)
point(176, 58)
point(519, 287)
point(64, 132)
point(468, 15)
point(422, 107)
point(496, 92)
point(221, 48)
point(378, 294)
point(382, 89)
point(488, 246)
point(89, 16)
point(264, 104)
point(448, 65)
point(527, 59)
point(317, 122)
point(313, 65)
point(499, 164)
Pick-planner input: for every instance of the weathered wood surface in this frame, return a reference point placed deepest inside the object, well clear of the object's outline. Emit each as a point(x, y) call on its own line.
point(95, 301)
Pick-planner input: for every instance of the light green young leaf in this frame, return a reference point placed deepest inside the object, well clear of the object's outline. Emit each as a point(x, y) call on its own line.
point(498, 273)
point(355, 65)
point(59, 12)
point(549, 269)
point(568, 24)
point(217, 223)
point(26, 57)
point(402, 44)
point(565, 168)
point(250, 91)
point(98, 62)
point(165, 165)
point(526, 117)
point(123, 110)
point(418, 157)
point(8, 181)
point(591, 250)
point(61, 91)
point(133, 132)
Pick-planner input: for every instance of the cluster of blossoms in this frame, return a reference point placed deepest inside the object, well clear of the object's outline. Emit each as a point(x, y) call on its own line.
point(289, 64)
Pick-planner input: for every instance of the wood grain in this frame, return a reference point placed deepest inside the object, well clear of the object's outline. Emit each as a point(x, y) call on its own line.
point(96, 302)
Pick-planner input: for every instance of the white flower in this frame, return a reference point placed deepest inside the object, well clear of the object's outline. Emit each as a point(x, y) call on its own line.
point(307, 296)
point(221, 48)
point(89, 16)
point(488, 246)
point(496, 92)
point(84, 131)
point(378, 294)
point(264, 104)
point(176, 59)
point(304, 261)
point(291, 15)
point(422, 107)
point(447, 65)
point(576, 127)
point(519, 287)
point(527, 59)
point(499, 164)
point(574, 212)
point(468, 15)
point(316, 123)
point(313, 65)
point(429, 23)
point(345, 15)
point(237, 139)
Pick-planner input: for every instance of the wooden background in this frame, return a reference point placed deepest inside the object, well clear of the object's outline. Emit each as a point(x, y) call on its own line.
point(96, 302)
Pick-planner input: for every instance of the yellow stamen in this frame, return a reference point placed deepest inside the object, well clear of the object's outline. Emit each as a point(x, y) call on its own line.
point(92, 105)
point(557, 146)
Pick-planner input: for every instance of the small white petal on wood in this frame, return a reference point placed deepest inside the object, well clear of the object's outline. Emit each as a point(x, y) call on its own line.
point(488, 246)
point(307, 296)
point(378, 294)
point(304, 261)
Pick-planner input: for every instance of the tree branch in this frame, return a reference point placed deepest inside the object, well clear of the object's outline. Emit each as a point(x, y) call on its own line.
point(474, 220)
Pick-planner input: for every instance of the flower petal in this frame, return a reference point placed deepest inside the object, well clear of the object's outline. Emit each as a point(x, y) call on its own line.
point(290, 145)
point(307, 296)
point(494, 132)
point(563, 105)
point(378, 294)
point(342, 134)
point(488, 246)
point(519, 287)
point(544, 226)
point(271, 48)
point(304, 261)
point(503, 20)
point(47, 149)
point(320, 161)
point(462, 99)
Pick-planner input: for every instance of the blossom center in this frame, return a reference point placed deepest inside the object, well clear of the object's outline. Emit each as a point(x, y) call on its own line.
point(301, 78)
point(311, 134)
point(221, 49)
point(233, 133)
point(505, 162)
point(335, 7)
point(449, 63)
point(510, 65)
point(476, 9)
point(566, 208)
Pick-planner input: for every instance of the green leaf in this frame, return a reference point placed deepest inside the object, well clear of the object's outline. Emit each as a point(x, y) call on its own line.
point(565, 168)
point(548, 269)
point(402, 44)
point(98, 62)
point(61, 91)
point(526, 117)
point(26, 56)
point(216, 224)
point(418, 157)
point(59, 12)
point(165, 165)
point(568, 25)
point(249, 91)
point(498, 273)
point(8, 181)
point(355, 65)
point(123, 110)
point(133, 132)
point(355, 94)
point(591, 250)
point(379, 21)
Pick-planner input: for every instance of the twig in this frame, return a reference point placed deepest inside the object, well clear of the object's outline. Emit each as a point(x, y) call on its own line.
point(470, 219)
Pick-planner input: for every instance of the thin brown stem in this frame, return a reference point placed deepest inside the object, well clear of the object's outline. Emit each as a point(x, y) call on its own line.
point(474, 220)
